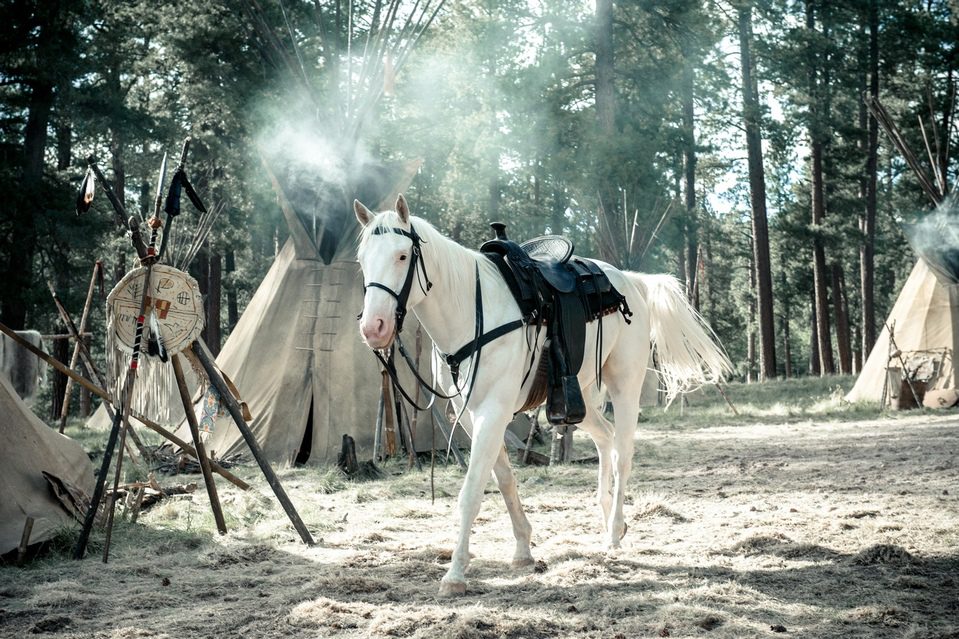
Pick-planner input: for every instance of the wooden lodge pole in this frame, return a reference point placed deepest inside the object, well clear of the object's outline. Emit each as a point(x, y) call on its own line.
point(198, 444)
point(198, 350)
point(108, 399)
point(65, 410)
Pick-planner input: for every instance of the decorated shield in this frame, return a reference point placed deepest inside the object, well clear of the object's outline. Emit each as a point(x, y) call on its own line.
point(174, 301)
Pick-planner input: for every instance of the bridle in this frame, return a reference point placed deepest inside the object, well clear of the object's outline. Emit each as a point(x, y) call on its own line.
point(416, 266)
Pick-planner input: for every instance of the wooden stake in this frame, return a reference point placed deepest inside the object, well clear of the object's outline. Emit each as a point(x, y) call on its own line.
point(24, 541)
point(726, 397)
point(198, 444)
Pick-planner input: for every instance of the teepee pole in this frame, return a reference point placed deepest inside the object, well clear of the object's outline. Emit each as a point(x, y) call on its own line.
point(198, 444)
point(198, 349)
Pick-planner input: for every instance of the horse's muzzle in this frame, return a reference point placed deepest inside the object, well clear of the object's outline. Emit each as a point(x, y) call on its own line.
point(377, 332)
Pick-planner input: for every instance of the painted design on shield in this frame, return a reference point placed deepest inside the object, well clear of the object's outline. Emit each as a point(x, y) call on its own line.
point(173, 299)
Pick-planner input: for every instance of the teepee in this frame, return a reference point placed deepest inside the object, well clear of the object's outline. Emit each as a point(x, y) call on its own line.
point(296, 356)
point(42, 474)
point(925, 324)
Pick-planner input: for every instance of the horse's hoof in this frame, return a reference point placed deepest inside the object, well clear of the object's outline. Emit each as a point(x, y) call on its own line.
point(525, 562)
point(452, 588)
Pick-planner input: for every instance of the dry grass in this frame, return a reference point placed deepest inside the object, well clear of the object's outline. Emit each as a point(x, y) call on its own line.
point(823, 525)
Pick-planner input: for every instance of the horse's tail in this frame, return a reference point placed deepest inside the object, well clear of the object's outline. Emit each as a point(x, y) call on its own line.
point(688, 352)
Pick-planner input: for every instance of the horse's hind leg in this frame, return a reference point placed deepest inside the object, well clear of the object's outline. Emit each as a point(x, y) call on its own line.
point(522, 530)
point(624, 381)
point(601, 431)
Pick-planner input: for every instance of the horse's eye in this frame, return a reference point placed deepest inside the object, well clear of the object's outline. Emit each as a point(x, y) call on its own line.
point(403, 257)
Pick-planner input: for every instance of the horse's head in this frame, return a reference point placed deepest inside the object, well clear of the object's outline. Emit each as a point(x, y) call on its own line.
point(390, 258)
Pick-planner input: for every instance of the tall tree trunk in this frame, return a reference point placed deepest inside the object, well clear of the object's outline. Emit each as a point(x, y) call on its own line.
point(201, 272)
point(826, 366)
point(689, 173)
point(19, 269)
point(751, 346)
point(232, 311)
point(64, 146)
point(785, 318)
point(820, 275)
point(840, 308)
point(681, 269)
point(119, 189)
point(606, 118)
point(61, 352)
point(757, 193)
point(787, 347)
point(814, 359)
point(868, 218)
point(605, 96)
point(214, 292)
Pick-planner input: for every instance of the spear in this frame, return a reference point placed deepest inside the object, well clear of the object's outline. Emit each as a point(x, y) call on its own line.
point(122, 415)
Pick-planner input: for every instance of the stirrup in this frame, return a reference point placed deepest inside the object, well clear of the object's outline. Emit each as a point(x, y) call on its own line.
point(565, 404)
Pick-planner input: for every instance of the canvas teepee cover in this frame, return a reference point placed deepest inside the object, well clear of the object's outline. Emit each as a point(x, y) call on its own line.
point(925, 318)
point(29, 448)
point(296, 355)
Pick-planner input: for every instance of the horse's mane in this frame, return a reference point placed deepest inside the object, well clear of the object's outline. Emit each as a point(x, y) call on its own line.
point(442, 256)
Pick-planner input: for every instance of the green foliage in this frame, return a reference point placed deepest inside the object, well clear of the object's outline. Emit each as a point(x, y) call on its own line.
point(498, 100)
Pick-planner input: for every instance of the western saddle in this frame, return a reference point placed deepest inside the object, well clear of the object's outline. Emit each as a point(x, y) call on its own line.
point(563, 293)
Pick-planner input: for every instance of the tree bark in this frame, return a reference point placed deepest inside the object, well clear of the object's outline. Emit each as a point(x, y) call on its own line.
point(757, 193)
point(64, 146)
point(814, 367)
point(826, 365)
point(868, 219)
point(751, 346)
point(61, 352)
point(214, 293)
point(840, 308)
point(605, 96)
point(19, 268)
point(232, 310)
point(689, 173)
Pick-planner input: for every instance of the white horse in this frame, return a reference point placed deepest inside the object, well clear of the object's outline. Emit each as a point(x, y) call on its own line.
point(408, 264)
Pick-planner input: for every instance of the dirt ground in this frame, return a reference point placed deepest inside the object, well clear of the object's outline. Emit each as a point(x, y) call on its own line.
point(810, 529)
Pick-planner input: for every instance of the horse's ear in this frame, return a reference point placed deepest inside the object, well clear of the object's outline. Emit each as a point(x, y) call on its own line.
point(363, 214)
point(402, 208)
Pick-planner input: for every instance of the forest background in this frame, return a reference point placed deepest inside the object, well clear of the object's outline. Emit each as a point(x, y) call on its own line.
point(725, 142)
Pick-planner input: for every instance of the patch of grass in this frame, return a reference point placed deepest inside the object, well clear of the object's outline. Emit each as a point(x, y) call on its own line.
point(781, 401)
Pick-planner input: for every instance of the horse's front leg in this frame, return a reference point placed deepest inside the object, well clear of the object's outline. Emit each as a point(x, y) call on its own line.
point(488, 429)
point(521, 529)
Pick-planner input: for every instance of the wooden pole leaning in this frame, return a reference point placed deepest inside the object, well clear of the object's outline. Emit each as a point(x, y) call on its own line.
point(198, 444)
point(65, 407)
point(108, 399)
point(198, 350)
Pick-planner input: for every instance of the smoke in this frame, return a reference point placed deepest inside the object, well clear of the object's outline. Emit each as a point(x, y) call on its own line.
point(319, 166)
point(935, 238)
